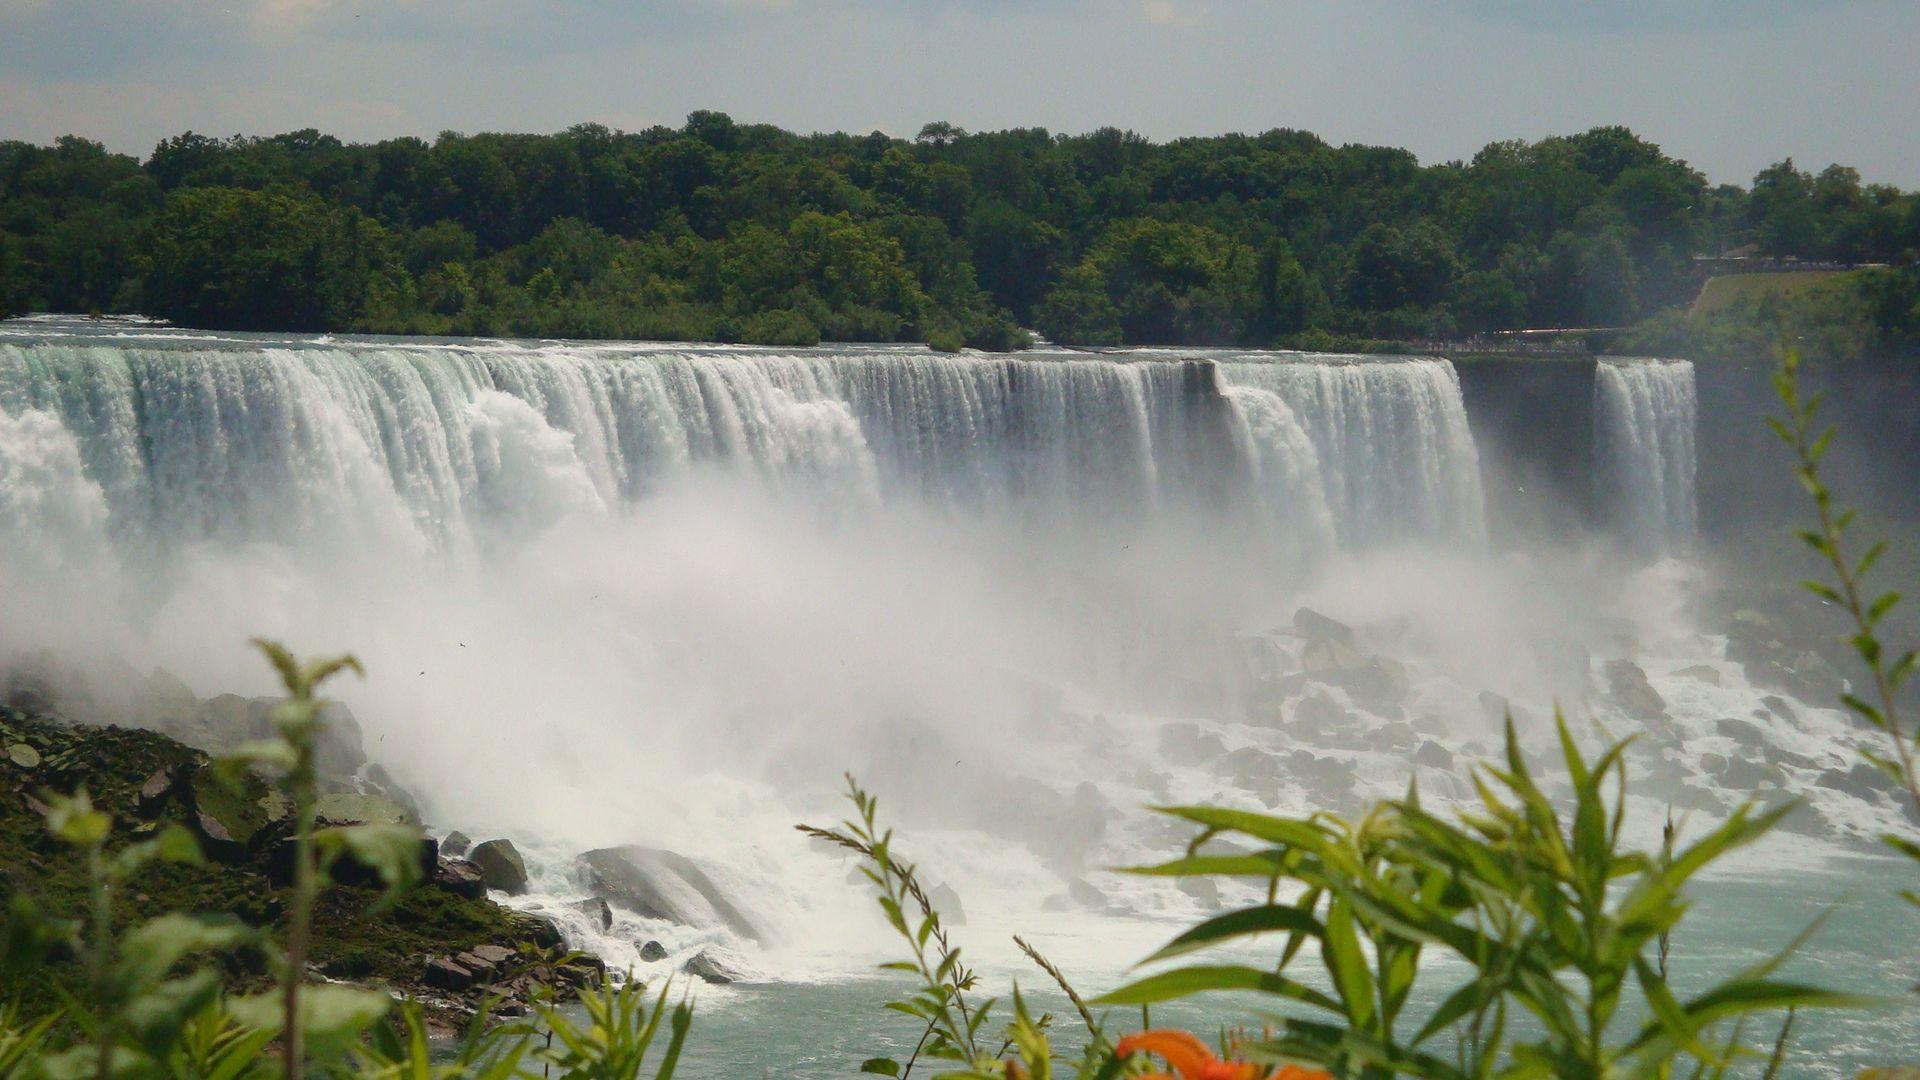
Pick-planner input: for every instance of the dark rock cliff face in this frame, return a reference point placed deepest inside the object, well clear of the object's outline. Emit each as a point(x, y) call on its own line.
point(1745, 479)
point(1532, 420)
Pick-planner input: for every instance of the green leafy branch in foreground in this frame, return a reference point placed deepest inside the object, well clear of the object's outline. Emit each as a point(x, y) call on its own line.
point(952, 1025)
point(1849, 591)
point(1554, 918)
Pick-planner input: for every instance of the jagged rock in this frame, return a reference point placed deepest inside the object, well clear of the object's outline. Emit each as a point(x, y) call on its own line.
point(500, 866)
point(947, 902)
point(585, 971)
point(653, 952)
point(1314, 626)
point(1433, 755)
point(348, 808)
point(493, 954)
point(1255, 770)
point(166, 688)
point(375, 780)
point(1204, 890)
point(444, 973)
point(1321, 719)
point(1863, 781)
point(1742, 732)
point(155, 792)
point(1496, 708)
point(541, 932)
point(704, 966)
point(1186, 744)
point(1628, 686)
point(1689, 797)
point(1744, 774)
point(1086, 894)
point(1381, 683)
point(339, 748)
point(1325, 660)
point(1398, 735)
point(456, 844)
point(659, 884)
point(1702, 672)
point(461, 878)
point(481, 969)
point(596, 911)
point(1779, 707)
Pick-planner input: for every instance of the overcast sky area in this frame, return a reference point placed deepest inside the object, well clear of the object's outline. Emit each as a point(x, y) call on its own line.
point(1728, 85)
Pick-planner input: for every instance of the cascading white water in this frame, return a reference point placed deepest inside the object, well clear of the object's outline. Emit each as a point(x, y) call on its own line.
point(1389, 439)
point(444, 448)
point(1644, 417)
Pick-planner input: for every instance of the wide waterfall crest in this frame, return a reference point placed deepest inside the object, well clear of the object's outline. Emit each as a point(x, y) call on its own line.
point(1644, 419)
point(416, 449)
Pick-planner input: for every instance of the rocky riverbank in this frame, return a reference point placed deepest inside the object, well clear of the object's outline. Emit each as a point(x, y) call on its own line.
point(444, 943)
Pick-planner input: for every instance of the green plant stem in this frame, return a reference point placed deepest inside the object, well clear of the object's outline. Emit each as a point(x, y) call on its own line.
point(1808, 448)
point(99, 948)
point(300, 919)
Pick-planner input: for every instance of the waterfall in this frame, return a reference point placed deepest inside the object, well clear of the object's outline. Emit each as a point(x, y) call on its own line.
point(450, 449)
point(1644, 418)
point(1388, 438)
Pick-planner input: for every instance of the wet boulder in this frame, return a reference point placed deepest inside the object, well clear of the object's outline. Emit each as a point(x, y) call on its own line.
point(351, 808)
point(447, 973)
point(946, 901)
point(461, 878)
point(1187, 744)
point(707, 967)
point(1316, 627)
point(1434, 756)
point(595, 911)
point(456, 844)
point(653, 952)
point(501, 866)
point(1629, 689)
point(1746, 734)
point(1701, 672)
point(658, 884)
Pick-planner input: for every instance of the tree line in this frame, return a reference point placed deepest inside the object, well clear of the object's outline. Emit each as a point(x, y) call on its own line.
point(718, 230)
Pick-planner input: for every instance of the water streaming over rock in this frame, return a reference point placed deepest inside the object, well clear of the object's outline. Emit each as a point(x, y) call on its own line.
point(447, 448)
point(1644, 421)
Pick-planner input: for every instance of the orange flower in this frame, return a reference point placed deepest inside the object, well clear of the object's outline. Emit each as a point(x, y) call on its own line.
point(1191, 1059)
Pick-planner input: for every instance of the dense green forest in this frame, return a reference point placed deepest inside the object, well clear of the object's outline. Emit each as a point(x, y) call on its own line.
point(725, 231)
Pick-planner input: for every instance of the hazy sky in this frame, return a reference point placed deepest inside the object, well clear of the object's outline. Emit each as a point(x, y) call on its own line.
point(1730, 85)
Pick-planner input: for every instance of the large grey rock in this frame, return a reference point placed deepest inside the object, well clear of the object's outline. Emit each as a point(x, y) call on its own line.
point(1433, 756)
point(461, 878)
point(653, 952)
point(500, 866)
point(947, 902)
point(1627, 685)
point(1742, 732)
point(456, 844)
point(348, 808)
point(1186, 744)
point(446, 973)
point(659, 884)
point(705, 966)
point(1316, 627)
point(596, 911)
